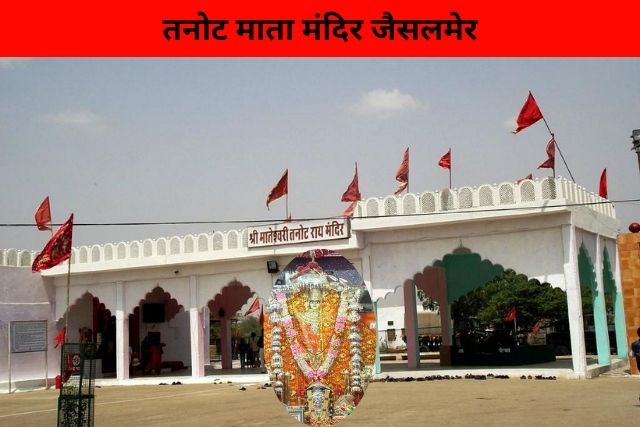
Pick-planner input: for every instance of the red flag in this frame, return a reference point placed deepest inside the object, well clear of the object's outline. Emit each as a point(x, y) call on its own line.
point(529, 114)
point(353, 190)
point(254, 307)
point(550, 163)
point(536, 328)
point(57, 249)
point(530, 176)
point(281, 188)
point(511, 315)
point(402, 175)
point(445, 161)
point(59, 339)
point(43, 215)
point(348, 213)
point(602, 190)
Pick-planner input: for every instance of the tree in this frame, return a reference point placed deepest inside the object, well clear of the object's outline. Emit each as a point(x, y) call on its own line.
point(534, 301)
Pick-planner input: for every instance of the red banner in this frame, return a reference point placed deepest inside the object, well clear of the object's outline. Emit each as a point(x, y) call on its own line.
point(328, 28)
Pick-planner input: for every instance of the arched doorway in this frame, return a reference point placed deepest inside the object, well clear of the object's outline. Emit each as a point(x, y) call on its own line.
point(90, 321)
point(159, 325)
point(223, 308)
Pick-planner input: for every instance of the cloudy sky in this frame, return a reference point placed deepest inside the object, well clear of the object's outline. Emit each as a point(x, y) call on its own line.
point(133, 140)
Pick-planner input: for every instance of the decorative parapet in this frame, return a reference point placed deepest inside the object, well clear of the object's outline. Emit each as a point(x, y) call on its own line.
point(527, 193)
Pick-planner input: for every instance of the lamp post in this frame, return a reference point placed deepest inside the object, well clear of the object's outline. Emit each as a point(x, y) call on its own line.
point(635, 138)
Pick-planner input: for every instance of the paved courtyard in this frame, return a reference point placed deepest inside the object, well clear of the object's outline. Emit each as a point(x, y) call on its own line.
point(610, 399)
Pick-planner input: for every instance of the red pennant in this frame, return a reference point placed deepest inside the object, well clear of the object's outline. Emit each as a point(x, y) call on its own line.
point(445, 161)
point(348, 213)
point(254, 307)
point(402, 175)
point(602, 190)
point(536, 328)
point(530, 176)
point(511, 315)
point(43, 215)
point(60, 337)
point(550, 163)
point(352, 194)
point(529, 114)
point(281, 188)
point(57, 249)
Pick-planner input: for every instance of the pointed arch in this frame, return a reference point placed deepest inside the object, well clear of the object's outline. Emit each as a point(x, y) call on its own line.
point(230, 299)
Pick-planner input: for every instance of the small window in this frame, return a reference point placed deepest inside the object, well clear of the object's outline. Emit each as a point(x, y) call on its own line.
point(390, 323)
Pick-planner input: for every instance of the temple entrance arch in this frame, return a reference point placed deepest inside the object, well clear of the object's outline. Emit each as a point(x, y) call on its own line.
point(617, 322)
point(223, 307)
point(593, 309)
point(159, 324)
point(91, 321)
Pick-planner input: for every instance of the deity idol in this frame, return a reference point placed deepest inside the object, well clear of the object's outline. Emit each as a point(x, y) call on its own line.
point(320, 338)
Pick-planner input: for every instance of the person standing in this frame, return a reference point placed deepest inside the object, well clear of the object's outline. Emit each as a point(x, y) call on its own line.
point(242, 351)
point(635, 350)
point(253, 350)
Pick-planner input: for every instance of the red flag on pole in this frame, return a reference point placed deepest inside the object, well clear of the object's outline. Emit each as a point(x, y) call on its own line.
point(43, 215)
point(402, 175)
point(353, 190)
point(550, 163)
point(511, 315)
point(57, 249)
point(59, 339)
point(254, 306)
point(529, 114)
point(348, 213)
point(602, 190)
point(281, 188)
point(536, 328)
point(530, 176)
point(445, 161)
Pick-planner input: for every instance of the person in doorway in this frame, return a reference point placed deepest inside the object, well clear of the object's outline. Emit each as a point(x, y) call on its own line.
point(242, 352)
point(155, 361)
point(253, 350)
point(261, 354)
point(635, 350)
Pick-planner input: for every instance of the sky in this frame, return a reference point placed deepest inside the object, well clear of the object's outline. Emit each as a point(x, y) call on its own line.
point(149, 140)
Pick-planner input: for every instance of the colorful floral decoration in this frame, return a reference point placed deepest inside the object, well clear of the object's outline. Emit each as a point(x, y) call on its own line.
point(320, 339)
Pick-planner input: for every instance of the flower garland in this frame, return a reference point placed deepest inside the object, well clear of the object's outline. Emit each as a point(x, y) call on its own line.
point(298, 351)
point(348, 312)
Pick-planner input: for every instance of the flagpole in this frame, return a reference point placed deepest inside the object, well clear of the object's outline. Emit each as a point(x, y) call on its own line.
point(449, 177)
point(559, 150)
point(66, 319)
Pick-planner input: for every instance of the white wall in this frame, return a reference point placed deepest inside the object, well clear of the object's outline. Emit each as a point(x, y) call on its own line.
point(25, 296)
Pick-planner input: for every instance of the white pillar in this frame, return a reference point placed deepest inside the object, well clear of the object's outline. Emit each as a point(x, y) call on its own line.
point(195, 323)
point(206, 333)
point(574, 300)
point(122, 335)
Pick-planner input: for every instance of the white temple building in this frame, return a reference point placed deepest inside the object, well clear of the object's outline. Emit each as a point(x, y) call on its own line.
point(445, 243)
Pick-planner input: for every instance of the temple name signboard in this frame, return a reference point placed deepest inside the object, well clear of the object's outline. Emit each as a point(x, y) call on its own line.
point(301, 232)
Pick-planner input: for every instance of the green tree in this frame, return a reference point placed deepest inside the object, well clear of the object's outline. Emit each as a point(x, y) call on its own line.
point(534, 301)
